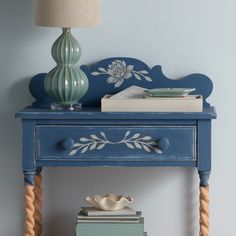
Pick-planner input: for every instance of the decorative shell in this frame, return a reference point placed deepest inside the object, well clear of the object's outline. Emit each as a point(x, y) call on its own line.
point(109, 202)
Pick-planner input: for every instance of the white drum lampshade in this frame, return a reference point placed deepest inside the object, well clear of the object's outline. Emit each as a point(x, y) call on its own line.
point(68, 13)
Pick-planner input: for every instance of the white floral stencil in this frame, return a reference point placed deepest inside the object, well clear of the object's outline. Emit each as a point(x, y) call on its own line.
point(118, 71)
point(131, 141)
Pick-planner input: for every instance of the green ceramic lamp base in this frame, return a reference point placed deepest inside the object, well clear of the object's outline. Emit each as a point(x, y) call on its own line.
point(66, 84)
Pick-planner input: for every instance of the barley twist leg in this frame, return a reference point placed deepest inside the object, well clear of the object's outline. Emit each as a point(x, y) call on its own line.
point(29, 205)
point(38, 205)
point(204, 203)
point(204, 211)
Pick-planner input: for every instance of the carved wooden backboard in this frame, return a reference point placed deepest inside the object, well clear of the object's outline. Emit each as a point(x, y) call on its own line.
point(112, 75)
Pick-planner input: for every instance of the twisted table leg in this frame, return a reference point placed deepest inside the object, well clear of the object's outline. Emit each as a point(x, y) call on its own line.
point(204, 211)
point(38, 205)
point(29, 210)
point(204, 203)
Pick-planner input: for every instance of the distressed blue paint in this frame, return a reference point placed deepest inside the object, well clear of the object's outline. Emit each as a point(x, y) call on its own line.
point(131, 121)
point(204, 145)
point(29, 177)
point(49, 163)
point(95, 114)
point(38, 170)
point(184, 137)
point(99, 86)
point(164, 142)
point(68, 143)
point(34, 117)
point(36, 88)
point(50, 143)
point(28, 146)
point(204, 177)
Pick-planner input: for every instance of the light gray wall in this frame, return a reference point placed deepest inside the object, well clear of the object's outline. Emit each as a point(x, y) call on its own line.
point(184, 36)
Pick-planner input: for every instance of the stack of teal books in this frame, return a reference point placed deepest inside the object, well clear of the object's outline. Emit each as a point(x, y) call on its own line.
point(93, 222)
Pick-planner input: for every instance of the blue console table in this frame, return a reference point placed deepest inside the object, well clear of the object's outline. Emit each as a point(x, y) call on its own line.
point(94, 138)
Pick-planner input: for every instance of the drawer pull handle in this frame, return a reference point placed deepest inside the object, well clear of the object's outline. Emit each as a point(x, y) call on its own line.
point(163, 143)
point(68, 143)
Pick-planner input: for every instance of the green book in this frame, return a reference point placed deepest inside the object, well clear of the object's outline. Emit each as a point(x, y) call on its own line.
point(109, 218)
point(108, 229)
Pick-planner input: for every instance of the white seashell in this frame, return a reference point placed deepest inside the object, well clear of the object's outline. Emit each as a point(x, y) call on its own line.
point(109, 202)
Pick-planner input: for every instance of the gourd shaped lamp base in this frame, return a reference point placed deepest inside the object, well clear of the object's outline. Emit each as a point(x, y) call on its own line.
point(66, 84)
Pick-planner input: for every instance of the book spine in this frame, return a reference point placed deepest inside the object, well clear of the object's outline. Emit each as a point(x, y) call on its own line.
point(148, 105)
point(108, 221)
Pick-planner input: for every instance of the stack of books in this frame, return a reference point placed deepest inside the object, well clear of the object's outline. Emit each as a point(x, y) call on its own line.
point(93, 222)
point(135, 99)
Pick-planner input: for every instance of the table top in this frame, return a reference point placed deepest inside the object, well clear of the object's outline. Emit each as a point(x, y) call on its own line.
point(94, 113)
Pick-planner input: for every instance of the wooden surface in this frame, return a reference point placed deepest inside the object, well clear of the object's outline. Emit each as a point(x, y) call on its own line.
point(38, 205)
point(112, 75)
point(29, 211)
point(126, 143)
point(94, 113)
point(93, 138)
point(204, 211)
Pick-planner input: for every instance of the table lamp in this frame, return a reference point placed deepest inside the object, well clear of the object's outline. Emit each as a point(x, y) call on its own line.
point(66, 84)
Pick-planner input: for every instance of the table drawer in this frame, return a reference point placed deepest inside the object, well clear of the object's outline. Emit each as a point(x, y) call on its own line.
point(115, 143)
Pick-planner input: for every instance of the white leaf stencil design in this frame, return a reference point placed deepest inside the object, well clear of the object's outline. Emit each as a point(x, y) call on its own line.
point(136, 136)
point(73, 152)
point(137, 77)
point(101, 146)
point(84, 139)
point(144, 72)
point(146, 148)
point(138, 145)
point(84, 149)
point(147, 78)
point(146, 138)
point(96, 73)
point(102, 69)
point(98, 142)
point(129, 145)
point(93, 136)
point(127, 133)
point(93, 146)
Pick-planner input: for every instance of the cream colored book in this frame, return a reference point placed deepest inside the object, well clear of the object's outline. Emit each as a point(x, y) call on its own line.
point(190, 103)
